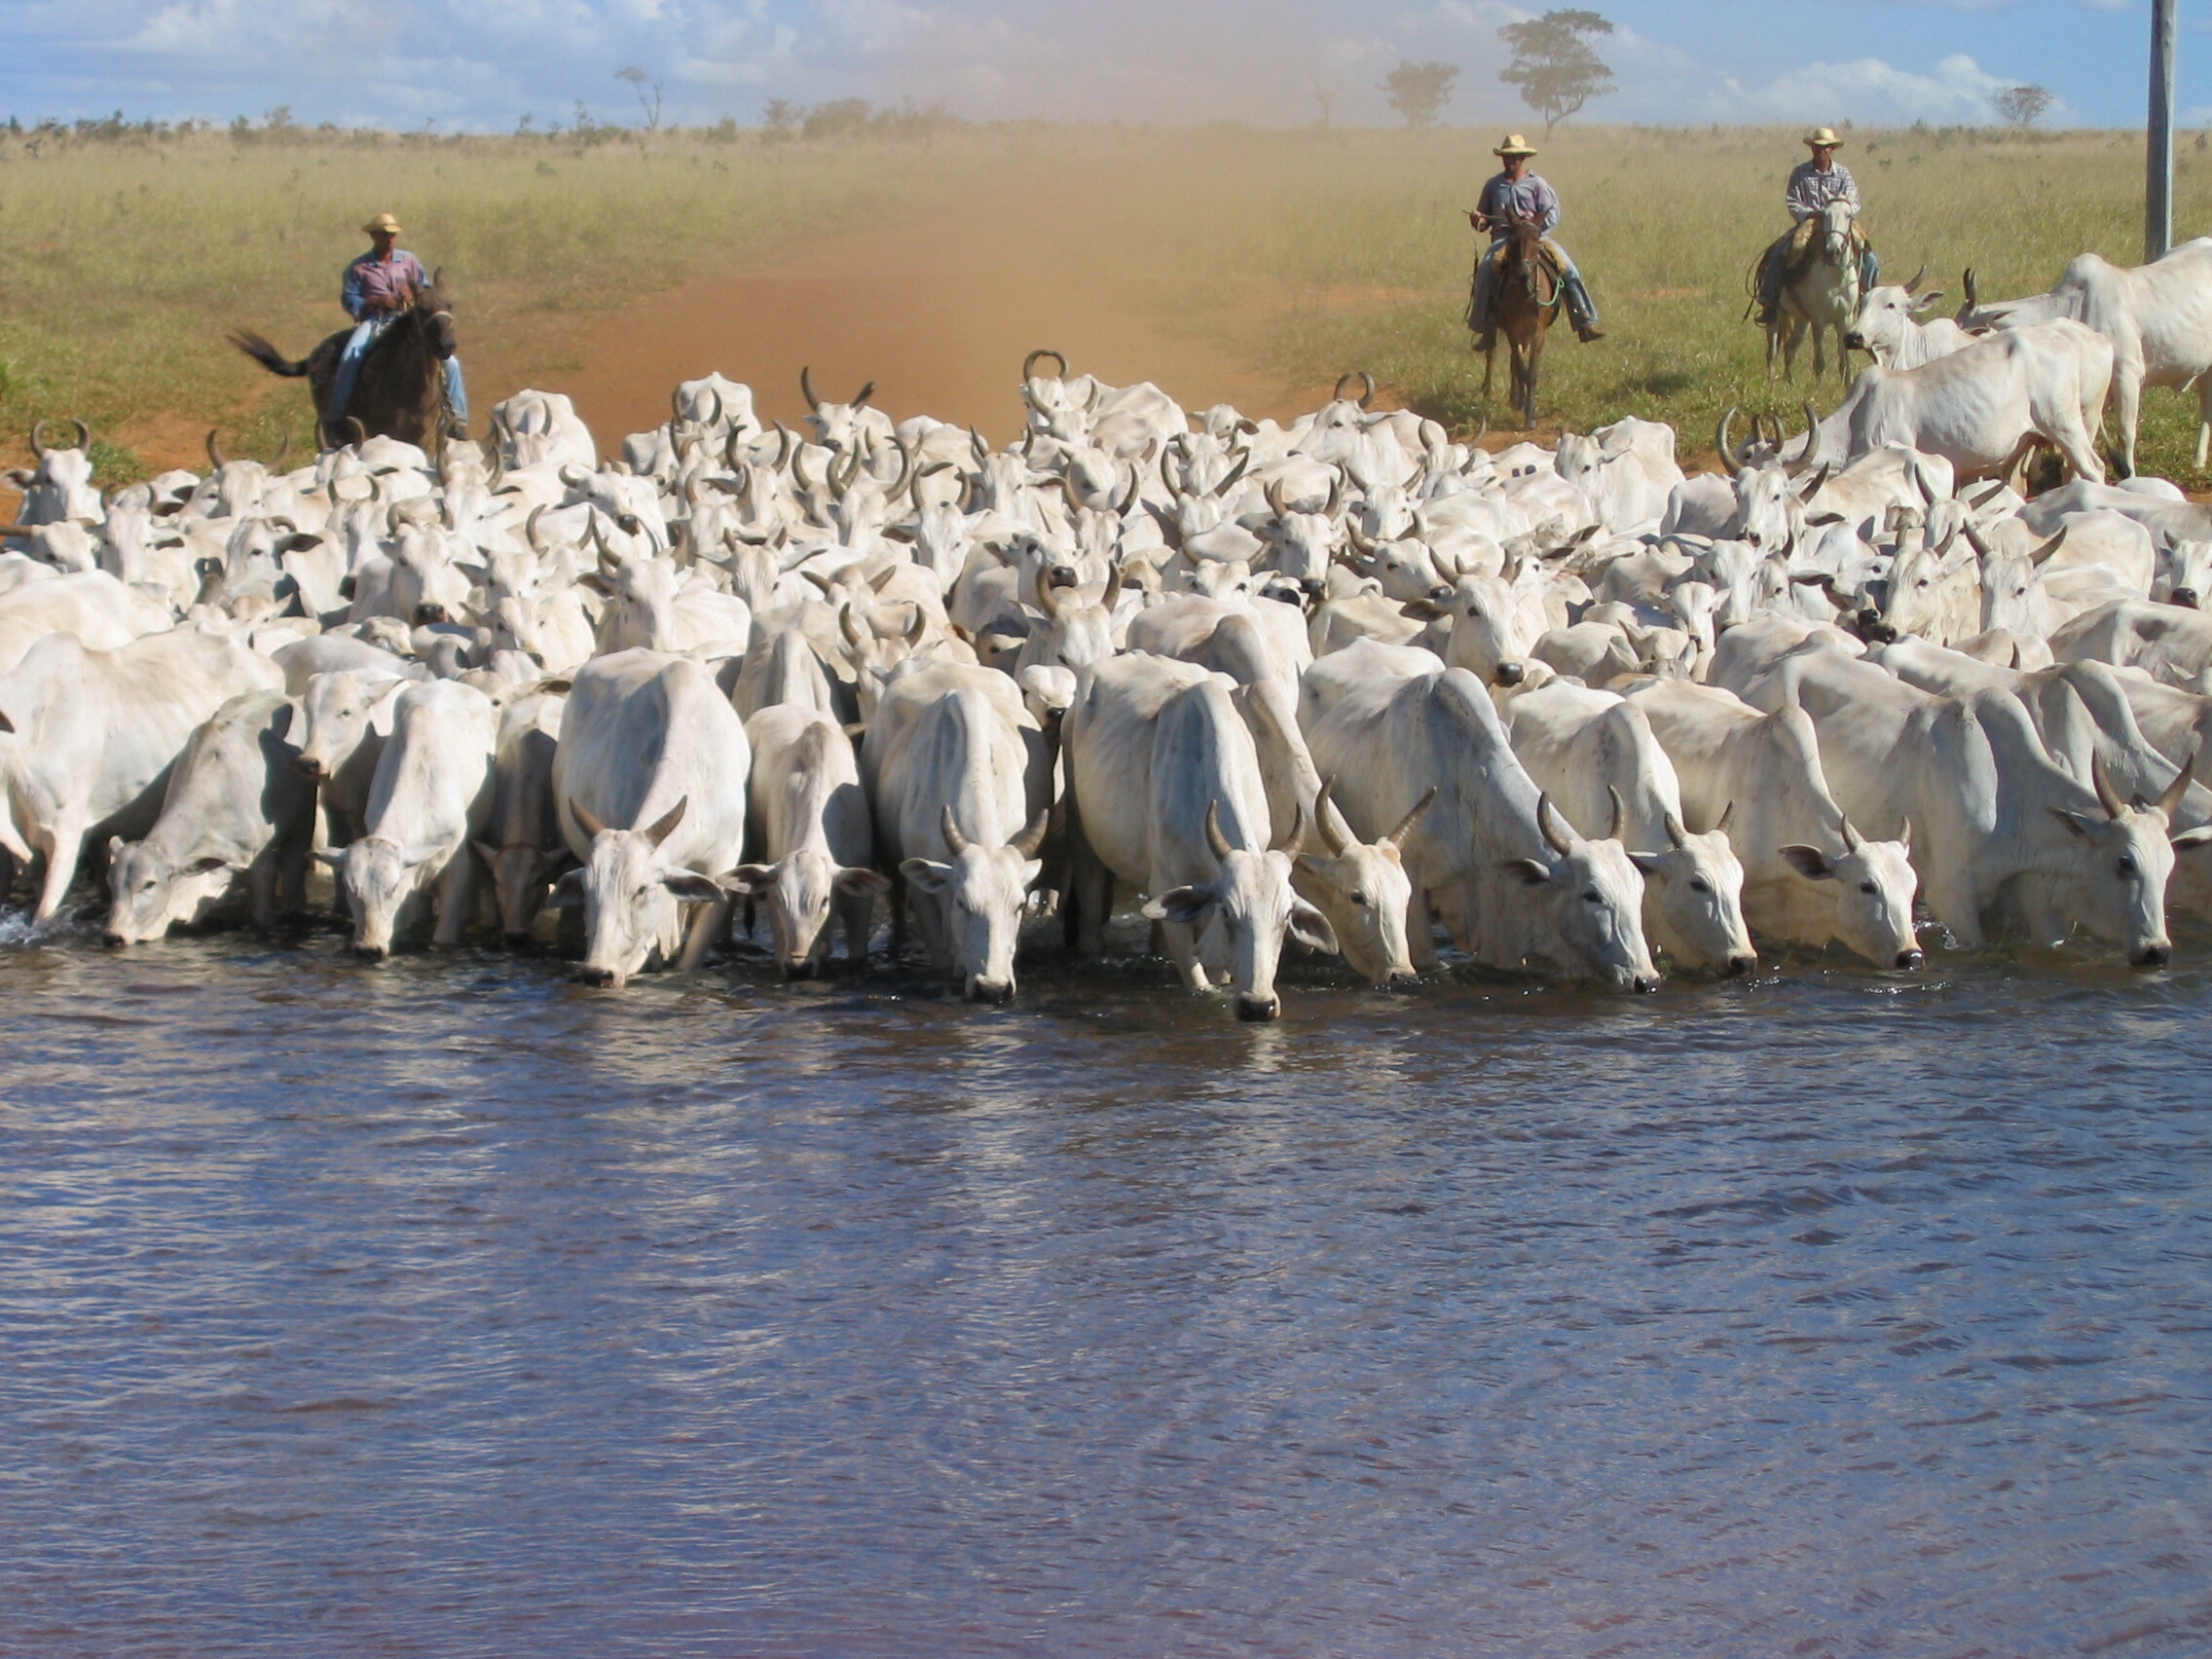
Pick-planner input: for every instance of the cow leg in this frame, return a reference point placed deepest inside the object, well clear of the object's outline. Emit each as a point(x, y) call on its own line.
point(708, 923)
point(2128, 392)
point(1420, 931)
point(455, 887)
point(1183, 950)
point(2079, 450)
point(62, 852)
point(1090, 891)
point(261, 881)
point(856, 915)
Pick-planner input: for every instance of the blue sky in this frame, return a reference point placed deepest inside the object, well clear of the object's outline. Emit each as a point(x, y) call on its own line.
point(479, 64)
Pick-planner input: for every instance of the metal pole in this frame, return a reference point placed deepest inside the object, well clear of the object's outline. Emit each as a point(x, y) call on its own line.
point(2159, 162)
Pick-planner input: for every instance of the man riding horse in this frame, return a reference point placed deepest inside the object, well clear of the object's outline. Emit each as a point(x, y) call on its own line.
point(396, 371)
point(1513, 196)
point(1813, 184)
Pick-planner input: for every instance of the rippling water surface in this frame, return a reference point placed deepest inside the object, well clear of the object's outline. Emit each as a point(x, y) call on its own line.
point(447, 1308)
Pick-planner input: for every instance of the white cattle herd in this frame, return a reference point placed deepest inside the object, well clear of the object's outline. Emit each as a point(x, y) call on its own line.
point(1343, 683)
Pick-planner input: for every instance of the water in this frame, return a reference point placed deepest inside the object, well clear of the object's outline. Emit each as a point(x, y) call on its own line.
point(446, 1308)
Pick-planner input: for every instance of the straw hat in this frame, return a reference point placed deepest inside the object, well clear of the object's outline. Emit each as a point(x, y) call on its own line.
point(384, 224)
point(1515, 145)
point(1823, 138)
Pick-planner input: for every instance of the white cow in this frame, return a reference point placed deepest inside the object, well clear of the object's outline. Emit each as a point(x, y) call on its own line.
point(431, 795)
point(2157, 317)
point(524, 850)
point(1596, 757)
point(93, 606)
point(1757, 777)
point(649, 782)
point(346, 719)
point(1491, 856)
point(962, 782)
point(59, 490)
point(1888, 329)
point(810, 820)
point(87, 737)
point(542, 429)
point(236, 814)
point(1169, 798)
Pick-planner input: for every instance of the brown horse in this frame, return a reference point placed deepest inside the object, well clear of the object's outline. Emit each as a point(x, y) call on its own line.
point(1525, 304)
point(400, 391)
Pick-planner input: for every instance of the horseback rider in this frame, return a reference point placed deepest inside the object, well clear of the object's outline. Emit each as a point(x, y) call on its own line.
point(1519, 194)
point(1813, 184)
point(378, 287)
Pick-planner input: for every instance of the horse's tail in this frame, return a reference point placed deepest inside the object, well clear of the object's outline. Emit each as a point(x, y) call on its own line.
point(267, 355)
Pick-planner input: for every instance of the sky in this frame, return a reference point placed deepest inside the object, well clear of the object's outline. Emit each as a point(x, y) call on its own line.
point(481, 64)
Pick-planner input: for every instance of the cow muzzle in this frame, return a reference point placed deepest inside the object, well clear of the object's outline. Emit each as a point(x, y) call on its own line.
point(310, 769)
point(116, 941)
point(2186, 598)
point(1911, 960)
point(1740, 965)
point(1251, 1008)
point(587, 974)
point(1855, 342)
point(2154, 955)
point(995, 992)
point(1510, 674)
point(371, 952)
point(799, 967)
point(1645, 985)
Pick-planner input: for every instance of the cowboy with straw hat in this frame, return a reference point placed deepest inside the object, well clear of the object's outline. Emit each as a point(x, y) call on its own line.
point(379, 286)
point(1519, 194)
point(1813, 184)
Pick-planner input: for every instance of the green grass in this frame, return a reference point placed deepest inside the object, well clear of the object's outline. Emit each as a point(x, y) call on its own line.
point(121, 264)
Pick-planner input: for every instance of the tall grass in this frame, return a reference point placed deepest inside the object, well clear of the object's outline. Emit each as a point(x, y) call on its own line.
point(121, 264)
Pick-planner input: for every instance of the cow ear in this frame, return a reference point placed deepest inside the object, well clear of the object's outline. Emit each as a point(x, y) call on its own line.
point(1648, 862)
point(692, 887)
point(1529, 873)
point(926, 874)
point(751, 878)
point(1422, 610)
point(487, 852)
point(1185, 905)
point(858, 881)
point(2189, 840)
point(205, 866)
point(334, 857)
point(568, 893)
point(1809, 863)
point(1312, 929)
point(1927, 300)
point(20, 477)
point(300, 542)
point(2080, 823)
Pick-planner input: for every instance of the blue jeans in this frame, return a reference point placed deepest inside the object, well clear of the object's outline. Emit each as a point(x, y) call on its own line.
point(366, 334)
point(1581, 309)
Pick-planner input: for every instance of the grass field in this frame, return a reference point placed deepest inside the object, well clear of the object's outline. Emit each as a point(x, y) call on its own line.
point(1308, 251)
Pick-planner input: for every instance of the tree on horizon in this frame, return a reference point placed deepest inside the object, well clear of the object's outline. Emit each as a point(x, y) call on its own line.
point(1554, 65)
point(1419, 90)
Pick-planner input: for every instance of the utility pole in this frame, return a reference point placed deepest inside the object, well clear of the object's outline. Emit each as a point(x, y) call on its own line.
point(2159, 160)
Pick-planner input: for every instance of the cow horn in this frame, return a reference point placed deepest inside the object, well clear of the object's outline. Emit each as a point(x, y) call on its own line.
point(589, 824)
point(1128, 503)
point(806, 385)
point(1913, 286)
point(1045, 603)
point(1812, 440)
point(529, 528)
point(1676, 833)
point(798, 473)
point(1397, 836)
point(956, 842)
point(1338, 395)
point(215, 452)
point(1553, 839)
point(1368, 381)
point(982, 450)
point(1727, 813)
point(849, 625)
point(665, 826)
point(1274, 492)
point(905, 468)
point(284, 449)
point(359, 431)
point(2169, 802)
point(674, 408)
point(1029, 363)
point(1974, 300)
point(860, 398)
point(2042, 555)
point(38, 439)
point(838, 486)
point(1032, 834)
point(787, 446)
point(83, 433)
point(1852, 839)
point(1244, 460)
point(1335, 492)
point(1294, 843)
point(581, 479)
point(916, 628)
point(1329, 839)
point(1728, 457)
point(1214, 837)
point(1620, 813)
point(2100, 780)
point(715, 419)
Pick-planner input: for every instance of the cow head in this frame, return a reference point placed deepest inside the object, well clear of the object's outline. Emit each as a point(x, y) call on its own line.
point(799, 890)
point(1361, 889)
point(61, 487)
point(2125, 858)
point(150, 891)
point(838, 428)
point(522, 874)
point(1246, 911)
point(341, 710)
point(379, 878)
point(1874, 890)
point(1887, 316)
point(984, 891)
point(631, 896)
point(1490, 636)
point(1595, 903)
point(1696, 897)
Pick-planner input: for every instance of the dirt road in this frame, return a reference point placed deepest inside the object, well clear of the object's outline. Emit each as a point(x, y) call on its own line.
point(940, 314)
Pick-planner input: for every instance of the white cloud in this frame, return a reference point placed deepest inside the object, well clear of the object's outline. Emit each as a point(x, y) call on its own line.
point(1864, 90)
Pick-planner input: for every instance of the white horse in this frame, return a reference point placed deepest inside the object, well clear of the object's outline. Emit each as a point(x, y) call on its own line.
point(1825, 297)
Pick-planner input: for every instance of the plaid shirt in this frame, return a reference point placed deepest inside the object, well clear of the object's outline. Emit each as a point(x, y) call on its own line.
point(1812, 190)
point(1526, 198)
point(370, 278)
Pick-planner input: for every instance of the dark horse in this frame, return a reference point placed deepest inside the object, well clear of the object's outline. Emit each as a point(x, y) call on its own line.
point(400, 391)
point(1525, 304)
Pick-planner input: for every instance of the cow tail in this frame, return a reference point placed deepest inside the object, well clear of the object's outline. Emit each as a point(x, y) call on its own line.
point(267, 355)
